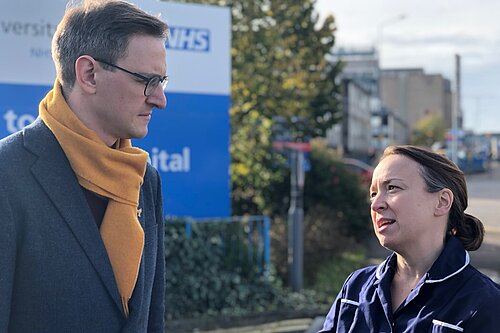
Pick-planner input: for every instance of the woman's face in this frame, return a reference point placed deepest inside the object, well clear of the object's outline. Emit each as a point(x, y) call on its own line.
point(403, 212)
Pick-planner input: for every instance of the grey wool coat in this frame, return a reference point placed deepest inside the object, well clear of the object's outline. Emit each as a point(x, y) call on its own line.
point(55, 275)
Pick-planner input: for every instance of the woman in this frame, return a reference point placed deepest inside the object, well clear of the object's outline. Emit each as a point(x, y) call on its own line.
point(418, 199)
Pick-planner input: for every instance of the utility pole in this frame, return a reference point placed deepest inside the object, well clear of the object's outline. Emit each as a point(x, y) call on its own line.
point(296, 210)
point(295, 151)
point(296, 221)
point(380, 33)
point(455, 113)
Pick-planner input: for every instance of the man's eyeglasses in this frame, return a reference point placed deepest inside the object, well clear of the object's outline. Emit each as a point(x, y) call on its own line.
point(151, 82)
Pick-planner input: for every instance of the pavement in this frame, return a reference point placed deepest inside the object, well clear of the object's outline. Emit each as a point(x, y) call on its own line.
point(299, 325)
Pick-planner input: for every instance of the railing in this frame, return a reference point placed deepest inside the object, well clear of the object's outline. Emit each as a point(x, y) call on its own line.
point(250, 233)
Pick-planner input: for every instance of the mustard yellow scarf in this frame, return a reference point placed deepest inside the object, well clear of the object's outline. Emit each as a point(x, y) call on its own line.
point(116, 174)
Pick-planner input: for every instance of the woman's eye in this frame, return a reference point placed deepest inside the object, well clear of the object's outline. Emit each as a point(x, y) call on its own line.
point(372, 195)
point(391, 187)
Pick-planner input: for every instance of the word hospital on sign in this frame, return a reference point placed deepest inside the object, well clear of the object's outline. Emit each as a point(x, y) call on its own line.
point(174, 162)
point(16, 123)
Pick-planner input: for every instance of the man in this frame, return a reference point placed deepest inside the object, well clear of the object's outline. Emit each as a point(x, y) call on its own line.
point(81, 241)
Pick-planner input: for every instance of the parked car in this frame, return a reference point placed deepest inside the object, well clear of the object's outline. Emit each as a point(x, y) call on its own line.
point(362, 169)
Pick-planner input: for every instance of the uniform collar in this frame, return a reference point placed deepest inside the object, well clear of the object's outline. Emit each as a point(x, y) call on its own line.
point(452, 260)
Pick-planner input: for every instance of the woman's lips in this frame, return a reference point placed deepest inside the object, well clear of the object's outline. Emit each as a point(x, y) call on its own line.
point(384, 222)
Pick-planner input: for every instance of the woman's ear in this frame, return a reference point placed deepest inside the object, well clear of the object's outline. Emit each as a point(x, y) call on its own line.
point(445, 201)
point(85, 74)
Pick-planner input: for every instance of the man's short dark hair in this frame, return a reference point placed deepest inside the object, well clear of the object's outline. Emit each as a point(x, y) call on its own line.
point(101, 29)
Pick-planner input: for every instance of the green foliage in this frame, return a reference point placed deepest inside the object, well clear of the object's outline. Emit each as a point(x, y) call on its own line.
point(279, 68)
point(210, 272)
point(209, 275)
point(429, 129)
point(331, 276)
point(336, 214)
point(337, 210)
point(329, 184)
point(256, 177)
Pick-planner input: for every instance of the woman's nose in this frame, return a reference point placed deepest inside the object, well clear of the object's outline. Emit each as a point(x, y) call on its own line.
point(378, 202)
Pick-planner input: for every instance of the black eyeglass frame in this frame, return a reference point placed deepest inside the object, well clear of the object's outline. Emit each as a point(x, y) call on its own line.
point(163, 80)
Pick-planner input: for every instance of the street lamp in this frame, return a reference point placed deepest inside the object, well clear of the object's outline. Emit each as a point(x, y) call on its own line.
point(378, 44)
point(380, 30)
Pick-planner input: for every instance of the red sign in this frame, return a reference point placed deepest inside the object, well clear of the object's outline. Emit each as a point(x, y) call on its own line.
point(299, 146)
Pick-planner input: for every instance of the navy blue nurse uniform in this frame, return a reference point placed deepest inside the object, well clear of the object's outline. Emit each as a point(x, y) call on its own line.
point(452, 297)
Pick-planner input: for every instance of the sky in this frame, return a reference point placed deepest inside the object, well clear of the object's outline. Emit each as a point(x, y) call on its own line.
point(427, 34)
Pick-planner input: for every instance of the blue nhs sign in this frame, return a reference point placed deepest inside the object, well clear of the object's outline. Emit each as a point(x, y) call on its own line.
point(189, 39)
point(188, 142)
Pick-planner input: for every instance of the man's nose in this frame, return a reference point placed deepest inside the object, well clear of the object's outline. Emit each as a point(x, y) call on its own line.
point(158, 98)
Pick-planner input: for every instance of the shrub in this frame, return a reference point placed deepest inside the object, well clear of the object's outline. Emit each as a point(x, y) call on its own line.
point(336, 214)
point(331, 185)
point(207, 279)
point(210, 273)
point(331, 276)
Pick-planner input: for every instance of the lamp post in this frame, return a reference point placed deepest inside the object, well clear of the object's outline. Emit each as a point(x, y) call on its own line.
point(380, 31)
point(455, 113)
point(295, 150)
point(378, 43)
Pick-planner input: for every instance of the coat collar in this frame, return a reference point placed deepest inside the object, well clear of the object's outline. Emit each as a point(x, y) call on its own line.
point(452, 260)
point(54, 173)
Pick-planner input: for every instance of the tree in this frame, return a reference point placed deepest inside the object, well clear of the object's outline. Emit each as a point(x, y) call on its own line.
point(431, 128)
point(279, 68)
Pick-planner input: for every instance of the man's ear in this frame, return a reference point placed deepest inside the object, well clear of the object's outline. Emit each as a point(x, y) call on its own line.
point(85, 74)
point(445, 200)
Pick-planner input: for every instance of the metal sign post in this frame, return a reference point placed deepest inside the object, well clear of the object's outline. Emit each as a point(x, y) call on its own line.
point(296, 211)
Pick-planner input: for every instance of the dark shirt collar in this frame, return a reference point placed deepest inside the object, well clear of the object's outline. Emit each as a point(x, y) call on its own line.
point(452, 260)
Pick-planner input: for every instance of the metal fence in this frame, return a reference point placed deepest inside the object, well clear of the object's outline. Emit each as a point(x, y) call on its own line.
point(250, 233)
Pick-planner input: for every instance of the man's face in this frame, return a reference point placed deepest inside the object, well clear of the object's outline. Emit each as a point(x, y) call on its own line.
point(121, 109)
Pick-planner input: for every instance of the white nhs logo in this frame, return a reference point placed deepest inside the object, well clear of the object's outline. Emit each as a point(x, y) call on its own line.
point(189, 39)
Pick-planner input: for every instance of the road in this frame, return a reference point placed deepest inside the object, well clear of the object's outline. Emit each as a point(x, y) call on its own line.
point(484, 203)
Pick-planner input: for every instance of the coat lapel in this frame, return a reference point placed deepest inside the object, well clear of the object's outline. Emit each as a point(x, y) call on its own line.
point(54, 173)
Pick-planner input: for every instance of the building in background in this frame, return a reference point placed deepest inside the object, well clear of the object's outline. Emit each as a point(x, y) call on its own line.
point(412, 94)
point(388, 128)
point(383, 106)
point(359, 82)
point(356, 119)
